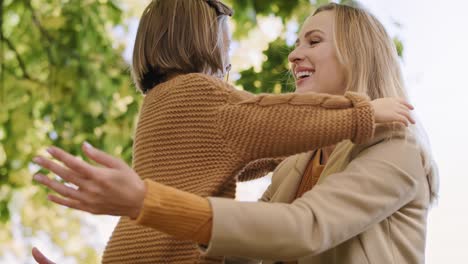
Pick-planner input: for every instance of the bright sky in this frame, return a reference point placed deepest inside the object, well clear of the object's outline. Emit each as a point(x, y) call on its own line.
point(435, 38)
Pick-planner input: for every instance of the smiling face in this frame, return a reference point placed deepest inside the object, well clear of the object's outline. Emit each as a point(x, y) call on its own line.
point(314, 61)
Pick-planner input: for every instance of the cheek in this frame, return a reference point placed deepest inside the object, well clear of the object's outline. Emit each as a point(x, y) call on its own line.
point(335, 71)
point(332, 75)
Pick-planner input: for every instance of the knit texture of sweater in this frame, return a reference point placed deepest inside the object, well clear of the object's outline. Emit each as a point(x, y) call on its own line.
point(196, 133)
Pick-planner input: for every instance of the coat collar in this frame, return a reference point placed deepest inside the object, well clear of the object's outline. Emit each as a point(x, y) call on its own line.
point(346, 150)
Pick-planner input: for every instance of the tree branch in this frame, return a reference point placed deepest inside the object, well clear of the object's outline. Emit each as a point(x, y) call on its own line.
point(12, 72)
point(18, 57)
point(37, 22)
point(21, 63)
point(43, 31)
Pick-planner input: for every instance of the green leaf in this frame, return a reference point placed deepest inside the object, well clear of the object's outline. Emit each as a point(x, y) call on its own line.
point(53, 22)
point(399, 46)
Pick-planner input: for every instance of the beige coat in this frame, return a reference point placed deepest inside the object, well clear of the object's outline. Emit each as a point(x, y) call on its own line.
point(369, 206)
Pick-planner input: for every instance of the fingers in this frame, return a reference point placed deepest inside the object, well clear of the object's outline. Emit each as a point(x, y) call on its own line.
point(39, 257)
point(411, 119)
point(58, 187)
point(402, 119)
point(405, 112)
point(102, 158)
point(59, 170)
point(72, 162)
point(70, 203)
point(405, 103)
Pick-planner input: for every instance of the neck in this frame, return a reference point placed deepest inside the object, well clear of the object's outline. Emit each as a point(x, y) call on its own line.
point(171, 76)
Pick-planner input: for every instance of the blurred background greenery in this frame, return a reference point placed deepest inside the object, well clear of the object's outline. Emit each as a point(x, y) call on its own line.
point(64, 80)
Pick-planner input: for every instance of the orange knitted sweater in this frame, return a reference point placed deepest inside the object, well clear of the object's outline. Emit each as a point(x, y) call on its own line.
point(197, 133)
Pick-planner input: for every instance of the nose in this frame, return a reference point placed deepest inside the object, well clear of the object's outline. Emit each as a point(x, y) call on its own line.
point(296, 55)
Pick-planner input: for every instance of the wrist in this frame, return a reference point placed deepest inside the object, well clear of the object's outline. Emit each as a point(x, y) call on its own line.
point(139, 199)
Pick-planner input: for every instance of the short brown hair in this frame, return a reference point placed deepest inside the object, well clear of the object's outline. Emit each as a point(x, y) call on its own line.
point(179, 37)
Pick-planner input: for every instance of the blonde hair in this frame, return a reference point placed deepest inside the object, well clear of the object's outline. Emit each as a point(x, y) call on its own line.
point(179, 37)
point(371, 64)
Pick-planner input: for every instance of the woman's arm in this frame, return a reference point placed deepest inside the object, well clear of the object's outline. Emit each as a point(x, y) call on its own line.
point(281, 125)
point(376, 184)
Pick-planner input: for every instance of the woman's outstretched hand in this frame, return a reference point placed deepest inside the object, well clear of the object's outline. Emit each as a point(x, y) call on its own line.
point(392, 110)
point(111, 189)
point(40, 258)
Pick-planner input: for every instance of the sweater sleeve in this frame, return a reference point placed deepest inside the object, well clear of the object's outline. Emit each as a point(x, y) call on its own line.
point(279, 125)
point(181, 214)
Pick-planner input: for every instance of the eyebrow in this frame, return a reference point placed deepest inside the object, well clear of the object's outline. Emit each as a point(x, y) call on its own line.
point(308, 34)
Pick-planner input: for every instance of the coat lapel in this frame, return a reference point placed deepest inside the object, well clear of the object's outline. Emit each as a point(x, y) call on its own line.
point(338, 160)
point(291, 175)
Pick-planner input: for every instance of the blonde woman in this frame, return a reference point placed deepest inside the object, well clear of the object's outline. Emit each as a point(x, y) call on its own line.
point(362, 196)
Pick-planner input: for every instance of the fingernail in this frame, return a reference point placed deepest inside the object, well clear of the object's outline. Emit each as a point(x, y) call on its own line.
point(87, 145)
point(38, 160)
point(50, 150)
point(37, 177)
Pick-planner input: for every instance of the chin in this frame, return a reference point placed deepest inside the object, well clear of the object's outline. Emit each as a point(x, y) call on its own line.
point(306, 88)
